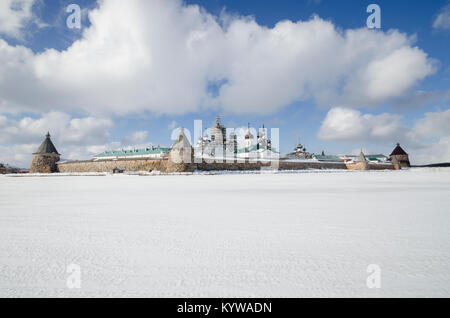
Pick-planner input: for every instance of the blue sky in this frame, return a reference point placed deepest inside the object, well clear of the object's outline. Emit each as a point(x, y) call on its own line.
point(45, 34)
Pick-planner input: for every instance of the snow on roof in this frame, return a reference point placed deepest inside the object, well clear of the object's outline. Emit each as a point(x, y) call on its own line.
point(134, 152)
point(254, 148)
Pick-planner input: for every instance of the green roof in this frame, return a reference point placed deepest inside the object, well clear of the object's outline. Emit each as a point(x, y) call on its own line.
point(135, 152)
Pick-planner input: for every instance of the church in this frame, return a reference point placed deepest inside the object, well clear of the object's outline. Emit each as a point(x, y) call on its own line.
point(240, 144)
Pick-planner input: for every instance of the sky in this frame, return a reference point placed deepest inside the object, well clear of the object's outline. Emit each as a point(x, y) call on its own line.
point(138, 69)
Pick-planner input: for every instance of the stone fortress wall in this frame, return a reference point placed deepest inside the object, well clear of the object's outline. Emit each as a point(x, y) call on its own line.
point(109, 165)
point(163, 165)
point(281, 165)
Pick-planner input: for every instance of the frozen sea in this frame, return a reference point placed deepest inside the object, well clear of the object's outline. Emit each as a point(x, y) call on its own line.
point(231, 235)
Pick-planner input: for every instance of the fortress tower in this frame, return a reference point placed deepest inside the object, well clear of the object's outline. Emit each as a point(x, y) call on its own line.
point(181, 156)
point(360, 164)
point(401, 157)
point(45, 158)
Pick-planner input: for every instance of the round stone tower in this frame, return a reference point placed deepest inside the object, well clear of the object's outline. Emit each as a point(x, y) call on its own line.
point(45, 158)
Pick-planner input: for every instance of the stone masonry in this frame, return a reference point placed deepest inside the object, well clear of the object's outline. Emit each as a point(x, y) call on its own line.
point(109, 165)
point(45, 158)
point(164, 165)
point(44, 163)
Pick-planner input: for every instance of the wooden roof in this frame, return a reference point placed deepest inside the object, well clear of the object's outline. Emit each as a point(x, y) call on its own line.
point(47, 147)
point(398, 151)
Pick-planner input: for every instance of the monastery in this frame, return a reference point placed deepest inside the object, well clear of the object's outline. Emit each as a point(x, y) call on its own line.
point(213, 152)
point(221, 146)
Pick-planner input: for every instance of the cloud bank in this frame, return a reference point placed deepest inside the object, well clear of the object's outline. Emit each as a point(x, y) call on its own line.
point(343, 124)
point(168, 58)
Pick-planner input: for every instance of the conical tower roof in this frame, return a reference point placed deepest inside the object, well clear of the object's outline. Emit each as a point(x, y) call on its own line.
point(398, 151)
point(362, 157)
point(182, 141)
point(47, 147)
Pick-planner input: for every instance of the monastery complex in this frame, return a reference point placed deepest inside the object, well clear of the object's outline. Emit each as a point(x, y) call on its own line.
point(214, 152)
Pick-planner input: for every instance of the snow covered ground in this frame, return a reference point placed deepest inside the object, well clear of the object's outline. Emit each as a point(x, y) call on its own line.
point(255, 235)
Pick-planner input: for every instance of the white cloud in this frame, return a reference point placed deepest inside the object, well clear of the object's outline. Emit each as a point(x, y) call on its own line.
point(17, 155)
point(14, 15)
point(434, 130)
point(344, 124)
point(161, 56)
point(436, 152)
point(76, 131)
point(393, 75)
point(434, 124)
point(136, 139)
point(428, 141)
point(442, 21)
